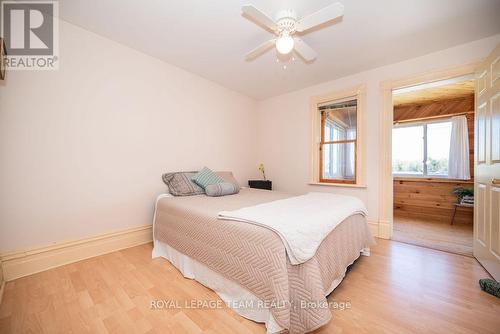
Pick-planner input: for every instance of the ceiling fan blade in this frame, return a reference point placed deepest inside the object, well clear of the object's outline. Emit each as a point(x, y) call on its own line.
point(321, 16)
point(260, 49)
point(259, 17)
point(304, 50)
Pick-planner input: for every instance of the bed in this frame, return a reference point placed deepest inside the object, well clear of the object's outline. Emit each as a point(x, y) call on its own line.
point(247, 265)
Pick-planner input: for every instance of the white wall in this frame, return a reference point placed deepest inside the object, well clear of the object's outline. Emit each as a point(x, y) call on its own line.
point(82, 149)
point(284, 128)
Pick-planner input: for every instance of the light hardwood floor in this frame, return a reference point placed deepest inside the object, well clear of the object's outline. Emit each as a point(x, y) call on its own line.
point(400, 288)
point(456, 238)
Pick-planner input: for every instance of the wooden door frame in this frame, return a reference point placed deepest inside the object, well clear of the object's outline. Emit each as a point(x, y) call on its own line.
point(385, 138)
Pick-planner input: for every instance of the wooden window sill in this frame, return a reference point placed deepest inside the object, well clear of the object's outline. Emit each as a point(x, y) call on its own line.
point(429, 179)
point(346, 185)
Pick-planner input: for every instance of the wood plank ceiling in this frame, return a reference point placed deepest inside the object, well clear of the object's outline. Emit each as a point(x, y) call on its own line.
point(433, 94)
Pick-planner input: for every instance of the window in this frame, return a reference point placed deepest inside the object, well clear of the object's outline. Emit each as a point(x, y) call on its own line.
point(338, 142)
point(421, 149)
point(337, 146)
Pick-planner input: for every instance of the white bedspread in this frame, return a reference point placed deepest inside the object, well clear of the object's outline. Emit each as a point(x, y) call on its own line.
point(302, 222)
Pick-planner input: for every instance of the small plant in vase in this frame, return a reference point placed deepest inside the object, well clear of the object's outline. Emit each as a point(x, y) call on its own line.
point(464, 195)
point(263, 171)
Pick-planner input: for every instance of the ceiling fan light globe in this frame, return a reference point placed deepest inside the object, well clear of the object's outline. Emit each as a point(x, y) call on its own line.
point(285, 44)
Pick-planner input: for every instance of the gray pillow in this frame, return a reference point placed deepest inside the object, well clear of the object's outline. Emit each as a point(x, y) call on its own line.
point(228, 177)
point(180, 184)
point(221, 189)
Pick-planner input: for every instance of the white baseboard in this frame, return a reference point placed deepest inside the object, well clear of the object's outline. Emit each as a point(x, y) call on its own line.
point(380, 229)
point(24, 263)
point(384, 229)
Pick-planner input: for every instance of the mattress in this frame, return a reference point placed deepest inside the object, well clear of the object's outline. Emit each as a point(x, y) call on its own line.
point(255, 258)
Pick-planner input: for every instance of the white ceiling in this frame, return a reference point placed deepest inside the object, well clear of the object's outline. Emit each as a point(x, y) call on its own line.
point(211, 38)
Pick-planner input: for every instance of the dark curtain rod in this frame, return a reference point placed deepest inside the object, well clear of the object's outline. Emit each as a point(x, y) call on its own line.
point(339, 106)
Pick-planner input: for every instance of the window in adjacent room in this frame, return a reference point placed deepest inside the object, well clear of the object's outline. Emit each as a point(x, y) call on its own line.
point(421, 149)
point(337, 149)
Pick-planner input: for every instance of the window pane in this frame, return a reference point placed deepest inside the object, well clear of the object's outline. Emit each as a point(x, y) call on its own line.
point(408, 150)
point(339, 121)
point(338, 161)
point(438, 148)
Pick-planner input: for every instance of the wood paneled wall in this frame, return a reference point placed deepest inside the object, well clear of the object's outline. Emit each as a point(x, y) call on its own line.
point(432, 199)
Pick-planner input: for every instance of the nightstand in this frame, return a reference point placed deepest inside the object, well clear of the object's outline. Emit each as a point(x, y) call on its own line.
point(261, 184)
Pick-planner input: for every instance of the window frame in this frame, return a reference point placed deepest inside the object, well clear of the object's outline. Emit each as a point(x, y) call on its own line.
point(424, 124)
point(358, 93)
point(345, 141)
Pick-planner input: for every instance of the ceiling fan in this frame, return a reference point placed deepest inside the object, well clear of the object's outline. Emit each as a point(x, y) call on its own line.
point(286, 26)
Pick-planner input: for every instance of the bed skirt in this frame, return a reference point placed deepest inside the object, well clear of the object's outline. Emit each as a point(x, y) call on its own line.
point(234, 295)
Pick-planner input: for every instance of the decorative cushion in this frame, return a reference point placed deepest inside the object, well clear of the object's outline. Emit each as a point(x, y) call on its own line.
point(222, 189)
point(180, 184)
point(205, 177)
point(228, 177)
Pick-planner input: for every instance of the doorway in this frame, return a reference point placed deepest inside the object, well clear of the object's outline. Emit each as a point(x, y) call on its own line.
point(486, 247)
point(433, 164)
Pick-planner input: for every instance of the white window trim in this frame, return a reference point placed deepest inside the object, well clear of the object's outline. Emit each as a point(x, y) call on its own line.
point(424, 174)
point(358, 92)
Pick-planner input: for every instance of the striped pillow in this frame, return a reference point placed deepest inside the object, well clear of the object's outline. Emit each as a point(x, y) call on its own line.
point(222, 189)
point(206, 177)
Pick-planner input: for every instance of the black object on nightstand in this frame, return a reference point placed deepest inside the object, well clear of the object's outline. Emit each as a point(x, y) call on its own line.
point(261, 184)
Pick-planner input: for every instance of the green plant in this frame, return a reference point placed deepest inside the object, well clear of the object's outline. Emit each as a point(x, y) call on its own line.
point(262, 170)
point(461, 192)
